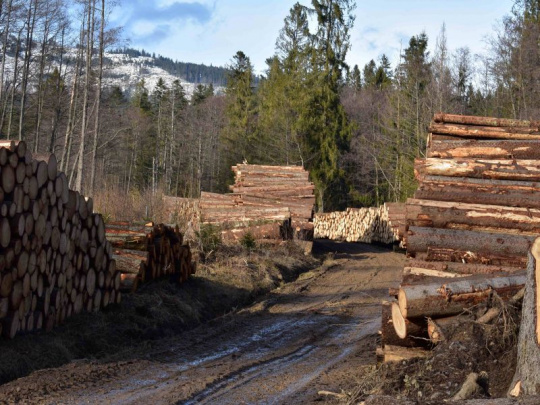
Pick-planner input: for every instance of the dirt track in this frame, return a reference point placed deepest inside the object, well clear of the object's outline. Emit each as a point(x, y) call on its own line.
point(308, 336)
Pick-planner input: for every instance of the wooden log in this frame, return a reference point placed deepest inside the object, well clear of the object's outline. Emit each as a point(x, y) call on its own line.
point(460, 268)
point(484, 121)
point(497, 169)
point(266, 231)
point(129, 282)
point(439, 329)
point(419, 239)
point(528, 358)
point(10, 326)
point(418, 271)
point(454, 215)
point(479, 191)
point(399, 353)
point(473, 384)
point(8, 179)
point(434, 254)
point(467, 131)
point(499, 149)
point(411, 332)
point(436, 300)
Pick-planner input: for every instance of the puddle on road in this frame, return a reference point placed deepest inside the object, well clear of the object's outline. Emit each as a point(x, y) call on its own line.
point(253, 372)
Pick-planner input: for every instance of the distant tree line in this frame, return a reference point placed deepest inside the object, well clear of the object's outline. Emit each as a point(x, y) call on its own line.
point(356, 129)
point(190, 72)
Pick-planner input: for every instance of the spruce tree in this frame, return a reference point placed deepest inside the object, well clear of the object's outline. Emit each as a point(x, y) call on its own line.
point(240, 111)
point(328, 130)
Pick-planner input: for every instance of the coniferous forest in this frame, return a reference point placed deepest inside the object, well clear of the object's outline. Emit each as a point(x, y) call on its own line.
point(357, 129)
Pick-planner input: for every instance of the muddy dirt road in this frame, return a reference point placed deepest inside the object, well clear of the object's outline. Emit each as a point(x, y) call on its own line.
point(308, 336)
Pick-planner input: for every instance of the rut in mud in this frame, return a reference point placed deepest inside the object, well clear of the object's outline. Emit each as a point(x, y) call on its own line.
point(309, 335)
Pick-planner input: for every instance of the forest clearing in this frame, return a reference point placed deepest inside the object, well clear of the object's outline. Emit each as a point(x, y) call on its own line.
point(298, 231)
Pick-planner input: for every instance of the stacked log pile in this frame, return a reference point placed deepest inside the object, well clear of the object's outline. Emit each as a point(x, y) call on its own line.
point(278, 186)
point(56, 261)
point(470, 225)
point(182, 211)
point(397, 219)
point(365, 225)
point(272, 203)
point(145, 252)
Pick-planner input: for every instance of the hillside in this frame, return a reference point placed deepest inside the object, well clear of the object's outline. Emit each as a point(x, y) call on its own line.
point(127, 69)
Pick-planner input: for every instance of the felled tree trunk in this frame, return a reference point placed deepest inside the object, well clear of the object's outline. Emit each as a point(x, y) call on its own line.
point(528, 363)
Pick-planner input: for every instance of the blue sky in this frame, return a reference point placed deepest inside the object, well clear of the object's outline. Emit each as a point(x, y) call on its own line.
point(211, 31)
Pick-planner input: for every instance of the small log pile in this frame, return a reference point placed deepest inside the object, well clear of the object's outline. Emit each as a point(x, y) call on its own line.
point(272, 203)
point(366, 225)
point(470, 225)
point(145, 252)
point(56, 261)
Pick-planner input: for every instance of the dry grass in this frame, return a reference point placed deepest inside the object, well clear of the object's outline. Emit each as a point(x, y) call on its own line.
point(116, 204)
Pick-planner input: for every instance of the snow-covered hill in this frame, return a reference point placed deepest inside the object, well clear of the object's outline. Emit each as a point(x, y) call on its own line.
point(125, 72)
point(120, 70)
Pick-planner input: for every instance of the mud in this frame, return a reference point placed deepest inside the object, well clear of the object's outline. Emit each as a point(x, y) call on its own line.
point(310, 335)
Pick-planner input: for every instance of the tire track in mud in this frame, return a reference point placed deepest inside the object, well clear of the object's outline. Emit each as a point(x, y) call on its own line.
point(277, 351)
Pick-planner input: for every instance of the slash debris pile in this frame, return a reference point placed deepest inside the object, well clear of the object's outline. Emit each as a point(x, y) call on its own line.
point(469, 228)
point(55, 259)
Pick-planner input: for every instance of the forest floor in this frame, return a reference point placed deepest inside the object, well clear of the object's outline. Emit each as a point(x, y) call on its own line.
point(317, 331)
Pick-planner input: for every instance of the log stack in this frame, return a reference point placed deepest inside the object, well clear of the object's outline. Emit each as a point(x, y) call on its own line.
point(278, 186)
point(182, 211)
point(145, 252)
point(56, 261)
point(272, 203)
point(365, 225)
point(471, 223)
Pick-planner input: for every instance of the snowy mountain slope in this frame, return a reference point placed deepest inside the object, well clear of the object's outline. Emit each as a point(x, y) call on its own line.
point(120, 70)
point(126, 71)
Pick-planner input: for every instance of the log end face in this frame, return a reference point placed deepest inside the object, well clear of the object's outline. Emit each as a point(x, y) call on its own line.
point(398, 321)
point(402, 301)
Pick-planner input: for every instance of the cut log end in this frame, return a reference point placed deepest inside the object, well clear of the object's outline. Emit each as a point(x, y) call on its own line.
point(399, 321)
point(535, 251)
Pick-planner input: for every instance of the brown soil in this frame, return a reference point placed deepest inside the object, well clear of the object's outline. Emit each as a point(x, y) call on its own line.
point(312, 334)
point(317, 333)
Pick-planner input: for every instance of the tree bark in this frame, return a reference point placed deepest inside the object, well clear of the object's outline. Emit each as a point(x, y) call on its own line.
point(528, 361)
point(451, 298)
point(496, 169)
point(478, 191)
point(455, 215)
point(499, 149)
point(485, 121)
point(420, 239)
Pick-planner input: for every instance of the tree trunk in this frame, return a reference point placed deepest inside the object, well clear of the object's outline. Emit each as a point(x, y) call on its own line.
point(454, 215)
point(86, 91)
point(420, 239)
point(485, 121)
point(499, 149)
point(480, 191)
point(496, 169)
point(528, 362)
point(98, 98)
point(451, 298)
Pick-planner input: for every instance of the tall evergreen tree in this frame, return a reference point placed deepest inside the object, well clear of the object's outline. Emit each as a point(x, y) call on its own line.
point(282, 93)
point(327, 128)
point(241, 108)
